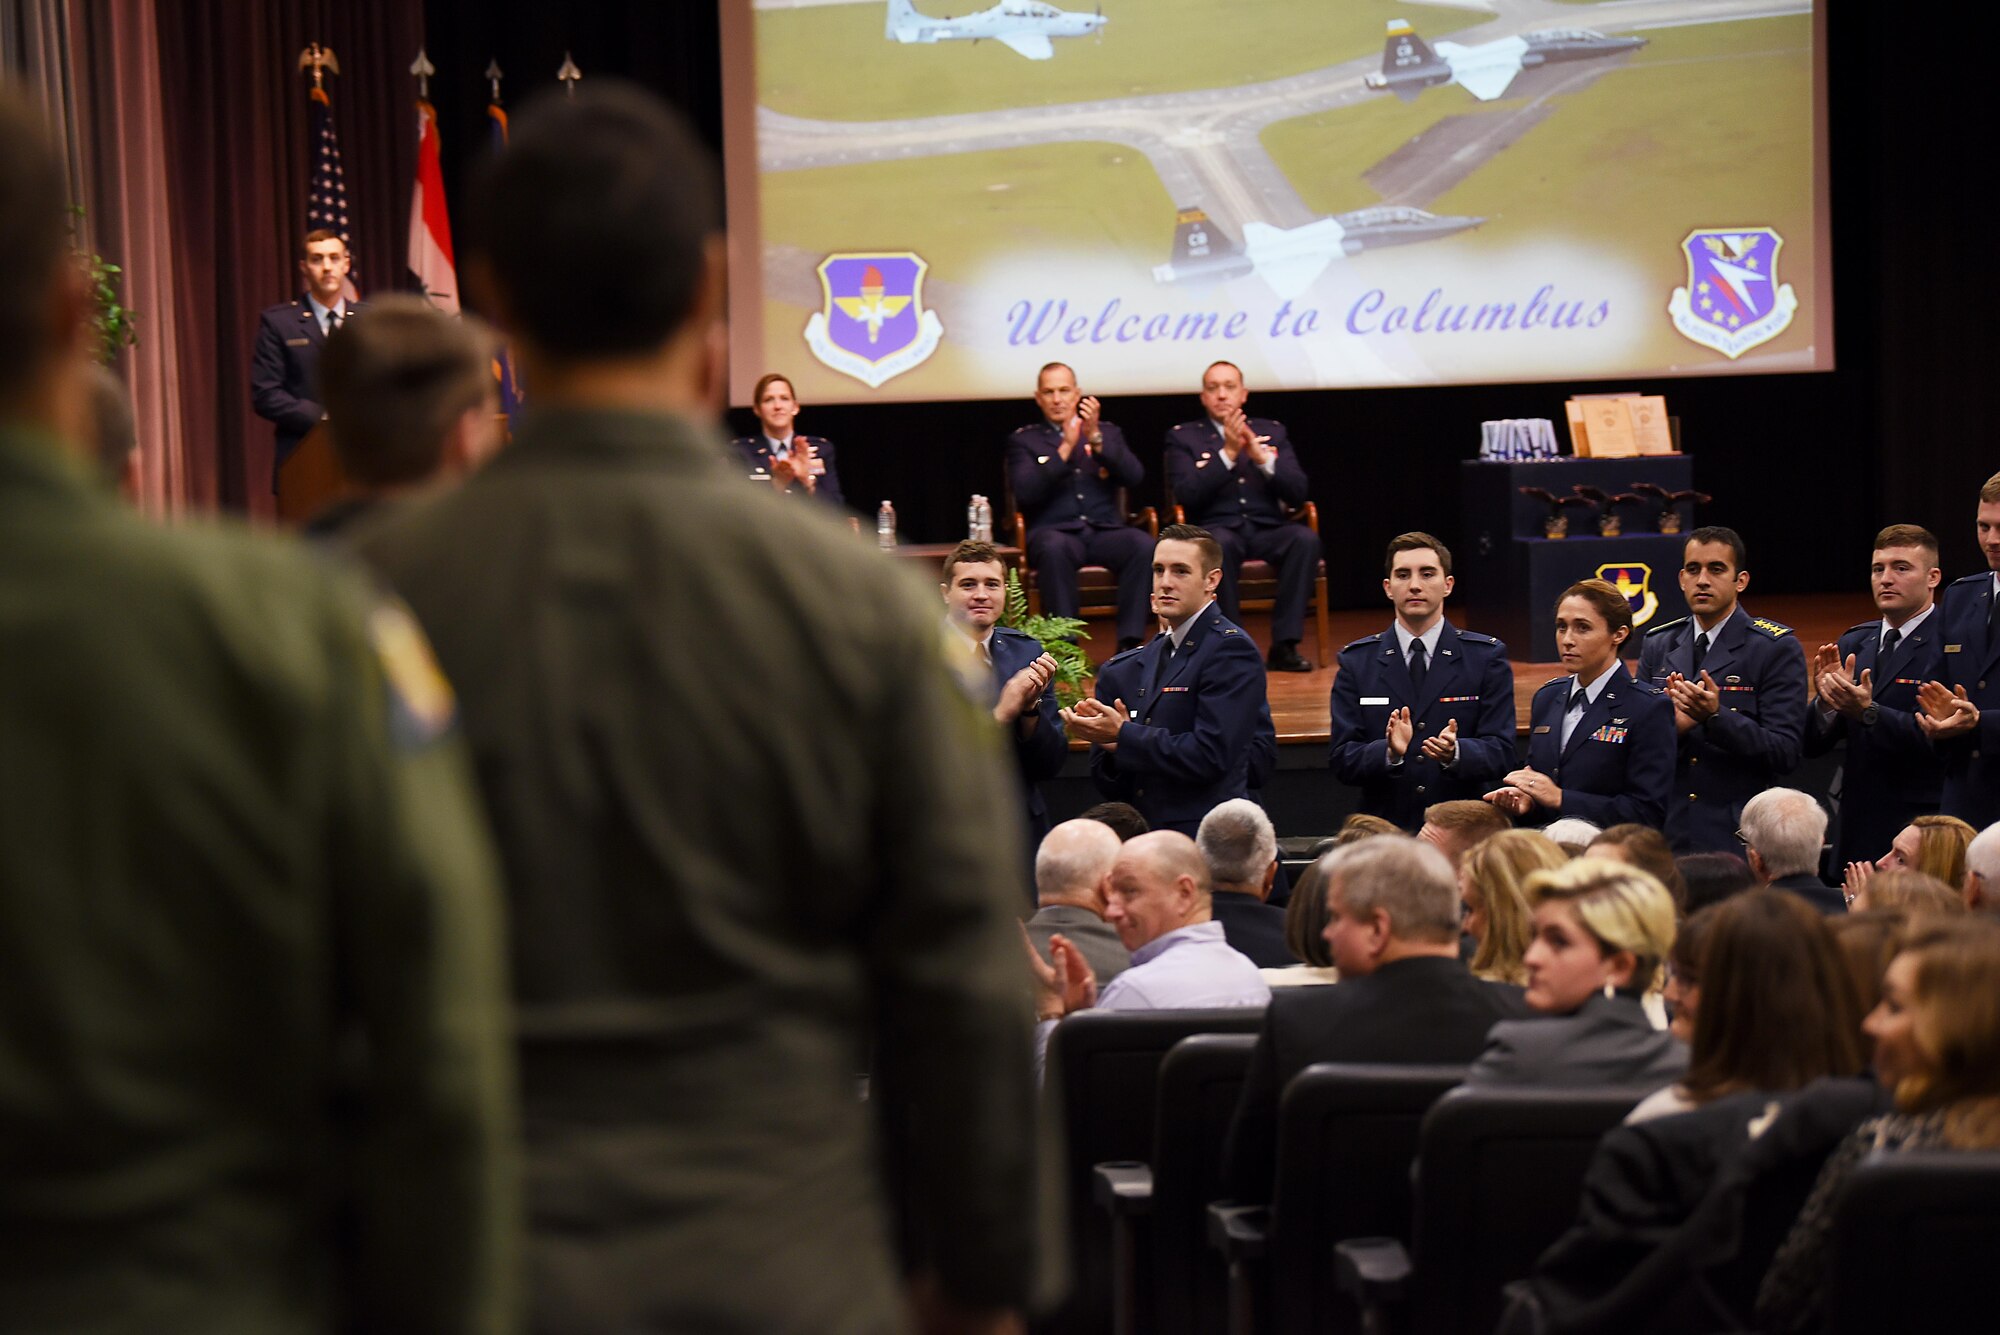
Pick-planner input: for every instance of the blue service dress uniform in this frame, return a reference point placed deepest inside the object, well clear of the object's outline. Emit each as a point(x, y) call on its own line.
point(1248, 511)
point(1468, 680)
point(1971, 657)
point(284, 373)
point(1040, 755)
point(1890, 774)
point(1191, 726)
point(755, 452)
point(1755, 737)
point(1074, 519)
point(1618, 766)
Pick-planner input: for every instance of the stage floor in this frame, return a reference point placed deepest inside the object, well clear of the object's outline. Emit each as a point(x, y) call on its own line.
point(1299, 700)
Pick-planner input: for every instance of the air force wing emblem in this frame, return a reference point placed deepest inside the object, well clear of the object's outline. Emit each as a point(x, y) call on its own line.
point(1733, 300)
point(873, 325)
point(1634, 580)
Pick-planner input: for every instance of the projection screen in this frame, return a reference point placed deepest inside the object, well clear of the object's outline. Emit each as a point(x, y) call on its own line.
point(929, 199)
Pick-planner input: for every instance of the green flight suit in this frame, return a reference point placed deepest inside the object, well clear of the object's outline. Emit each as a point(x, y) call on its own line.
point(753, 830)
point(255, 1073)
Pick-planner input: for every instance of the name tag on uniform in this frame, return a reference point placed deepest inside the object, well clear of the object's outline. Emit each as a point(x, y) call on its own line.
point(1543, 728)
point(1953, 648)
point(297, 342)
point(1607, 733)
point(1374, 699)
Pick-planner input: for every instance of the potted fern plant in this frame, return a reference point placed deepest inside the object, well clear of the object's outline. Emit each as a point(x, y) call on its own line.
point(1059, 636)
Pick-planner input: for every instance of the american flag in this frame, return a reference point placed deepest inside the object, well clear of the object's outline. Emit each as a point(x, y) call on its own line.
point(326, 196)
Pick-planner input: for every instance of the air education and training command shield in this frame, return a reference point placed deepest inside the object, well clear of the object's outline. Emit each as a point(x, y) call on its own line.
point(1634, 580)
point(873, 325)
point(1733, 300)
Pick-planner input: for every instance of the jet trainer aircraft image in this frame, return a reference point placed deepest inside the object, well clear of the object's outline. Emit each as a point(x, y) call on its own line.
point(1023, 25)
point(1410, 64)
point(1290, 258)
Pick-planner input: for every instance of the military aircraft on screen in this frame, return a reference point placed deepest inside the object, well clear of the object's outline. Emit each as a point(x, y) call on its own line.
point(1290, 258)
point(1024, 25)
point(1410, 64)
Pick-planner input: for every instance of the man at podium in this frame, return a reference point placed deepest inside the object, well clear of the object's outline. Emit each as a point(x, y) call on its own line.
point(284, 367)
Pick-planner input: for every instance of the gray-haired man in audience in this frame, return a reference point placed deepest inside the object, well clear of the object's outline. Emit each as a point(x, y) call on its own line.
point(1241, 849)
point(1783, 830)
point(1982, 870)
point(1070, 871)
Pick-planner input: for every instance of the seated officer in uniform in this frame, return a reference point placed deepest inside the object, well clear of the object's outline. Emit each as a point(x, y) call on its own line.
point(1066, 471)
point(1024, 693)
point(793, 463)
point(1174, 723)
point(1422, 712)
point(1868, 698)
point(1239, 478)
point(1600, 745)
point(1962, 706)
point(1738, 686)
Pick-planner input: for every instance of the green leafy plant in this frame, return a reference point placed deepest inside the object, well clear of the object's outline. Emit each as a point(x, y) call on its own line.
point(117, 323)
point(1059, 636)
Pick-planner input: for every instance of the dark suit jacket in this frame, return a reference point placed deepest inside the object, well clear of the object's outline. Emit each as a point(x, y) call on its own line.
point(1413, 1012)
point(1075, 493)
point(1608, 1041)
point(1890, 774)
point(1041, 755)
point(1193, 726)
point(1254, 928)
point(1824, 897)
point(284, 373)
point(1468, 681)
point(1216, 495)
point(1971, 658)
point(755, 452)
point(1619, 764)
point(1751, 743)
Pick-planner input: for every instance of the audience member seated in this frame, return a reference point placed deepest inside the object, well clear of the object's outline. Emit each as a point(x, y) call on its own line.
point(1403, 996)
point(1907, 891)
point(1711, 878)
point(1495, 907)
point(1681, 988)
point(1358, 826)
point(1305, 931)
point(1867, 942)
point(1783, 830)
point(1645, 848)
point(1934, 845)
point(1157, 897)
point(1572, 834)
point(1601, 930)
point(1241, 849)
point(1982, 871)
point(1454, 828)
point(1775, 1008)
point(1937, 1048)
point(1123, 818)
point(1070, 870)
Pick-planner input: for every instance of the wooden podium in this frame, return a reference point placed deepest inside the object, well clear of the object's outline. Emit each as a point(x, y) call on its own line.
point(309, 479)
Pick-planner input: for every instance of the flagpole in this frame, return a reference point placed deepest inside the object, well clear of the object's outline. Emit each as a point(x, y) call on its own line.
point(430, 256)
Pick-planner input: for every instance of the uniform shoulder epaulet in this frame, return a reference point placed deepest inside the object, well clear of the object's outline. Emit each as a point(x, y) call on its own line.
point(1776, 630)
point(1376, 638)
point(1475, 637)
point(1974, 578)
point(1011, 632)
point(1861, 625)
point(1188, 425)
point(1644, 687)
point(1024, 430)
point(1666, 625)
point(1552, 681)
point(1122, 655)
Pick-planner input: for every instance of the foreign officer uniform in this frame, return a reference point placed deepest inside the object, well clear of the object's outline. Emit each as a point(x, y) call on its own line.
point(1611, 753)
point(1040, 755)
point(1754, 738)
point(1248, 509)
point(1890, 774)
point(1074, 519)
point(759, 452)
point(1447, 675)
point(1192, 717)
point(284, 370)
point(1970, 654)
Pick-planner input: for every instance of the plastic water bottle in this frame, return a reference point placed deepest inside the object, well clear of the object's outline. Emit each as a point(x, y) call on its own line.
point(985, 519)
point(972, 520)
point(885, 527)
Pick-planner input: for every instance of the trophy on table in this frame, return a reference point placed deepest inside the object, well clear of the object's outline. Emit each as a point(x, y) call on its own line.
point(1557, 524)
point(1670, 503)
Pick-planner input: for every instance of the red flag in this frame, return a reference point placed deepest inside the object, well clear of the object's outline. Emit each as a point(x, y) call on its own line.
point(430, 222)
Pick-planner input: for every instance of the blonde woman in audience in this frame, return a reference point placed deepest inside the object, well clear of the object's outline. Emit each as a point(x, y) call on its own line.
point(1601, 930)
point(1934, 845)
point(1490, 882)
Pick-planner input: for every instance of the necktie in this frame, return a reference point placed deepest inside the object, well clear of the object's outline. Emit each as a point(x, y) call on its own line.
point(1890, 641)
point(1700, 649)
point(1417, 665)
point(1579, 700)
point(986, 652)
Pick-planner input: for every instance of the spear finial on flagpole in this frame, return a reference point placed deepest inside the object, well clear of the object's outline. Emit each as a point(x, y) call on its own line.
point(569, 74)
point(493, 76)
point(423, 69)
point(318, 59)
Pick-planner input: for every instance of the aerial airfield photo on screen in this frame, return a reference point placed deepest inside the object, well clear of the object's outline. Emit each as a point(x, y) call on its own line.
point(1326, 192)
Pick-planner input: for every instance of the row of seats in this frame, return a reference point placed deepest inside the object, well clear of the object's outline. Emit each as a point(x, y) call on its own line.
point(1353, 1239)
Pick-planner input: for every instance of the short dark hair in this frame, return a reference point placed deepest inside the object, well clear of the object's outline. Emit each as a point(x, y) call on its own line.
point(317, 235)
point(970, 553)
point(1908, 535)
point(1054, 366)
point(1728, 537)
point(595, 221)
point(1221, 361)
point(1123, 818)
point(1713, 877)
point(765, 381)
point(1415, 540)
point(394, 379)
point(32, 240)
point(1646, 848)
point(1610, 603)
point(1211, 550)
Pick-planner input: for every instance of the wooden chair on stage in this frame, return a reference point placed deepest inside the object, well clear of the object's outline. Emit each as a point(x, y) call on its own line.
point(1096, 586)
point(1257, 581)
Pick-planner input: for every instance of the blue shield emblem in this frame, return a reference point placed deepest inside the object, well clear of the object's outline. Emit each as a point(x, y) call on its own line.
point(1733, 300)
point(1634, 581)
point(872, 324)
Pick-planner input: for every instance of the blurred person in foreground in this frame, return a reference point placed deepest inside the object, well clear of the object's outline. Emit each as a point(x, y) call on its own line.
point(757, 834)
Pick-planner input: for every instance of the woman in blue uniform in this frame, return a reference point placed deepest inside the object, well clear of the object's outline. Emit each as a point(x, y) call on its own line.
point(791, 461)
point(1600, 745)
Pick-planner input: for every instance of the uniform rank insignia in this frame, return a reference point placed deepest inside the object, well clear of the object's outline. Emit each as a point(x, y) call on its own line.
point(1771, 628)
point(1201, 462)
point(1041, 458)
point(1608, 733)
point(421, 703)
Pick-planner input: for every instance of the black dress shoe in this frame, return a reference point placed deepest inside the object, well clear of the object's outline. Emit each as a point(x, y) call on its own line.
point(1284, 657)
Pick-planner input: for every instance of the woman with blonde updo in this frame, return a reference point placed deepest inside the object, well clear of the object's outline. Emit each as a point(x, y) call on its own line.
point(1490, 889)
